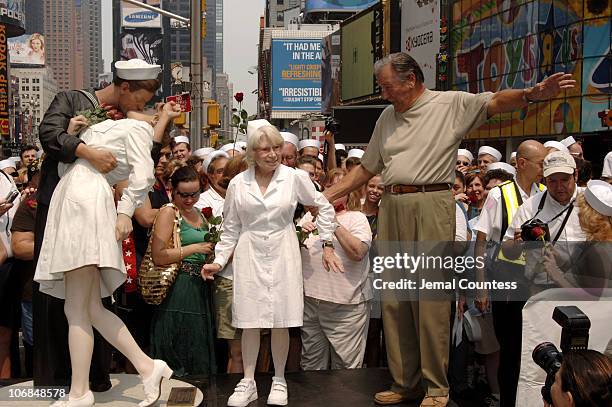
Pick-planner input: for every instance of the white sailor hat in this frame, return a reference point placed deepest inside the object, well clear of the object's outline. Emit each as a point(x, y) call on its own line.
point(8, 163)
point(568, 141)
point(607, 166)
point(465, 153)
point(598, 194)
point(201, 153)
point(491, 151)
point(513, 155)
point(136, 70)
point(557, 145)
point(181, 139)
point(309, 143)
point(242, 145)
point(320, 157)
point(255, 124)
point(340, 146)
point(355, 152)
point(210, 157)
point(238, 146)
point(502, 166)
point(290, 138)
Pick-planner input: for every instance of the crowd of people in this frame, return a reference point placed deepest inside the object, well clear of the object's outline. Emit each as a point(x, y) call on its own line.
point(290, 274)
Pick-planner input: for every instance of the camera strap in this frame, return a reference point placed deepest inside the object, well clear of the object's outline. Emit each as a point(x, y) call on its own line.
point(569, 209)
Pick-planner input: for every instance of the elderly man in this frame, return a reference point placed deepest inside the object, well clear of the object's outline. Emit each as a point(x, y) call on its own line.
point(416, 153)
point(289, 151)
point(309, 147)
point(487, 155)
point(574, 147)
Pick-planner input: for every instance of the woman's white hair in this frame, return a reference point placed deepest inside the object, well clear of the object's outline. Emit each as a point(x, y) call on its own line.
point(264, 133)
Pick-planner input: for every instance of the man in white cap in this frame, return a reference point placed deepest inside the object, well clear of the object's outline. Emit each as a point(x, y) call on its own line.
point(214, 196)
point(574, 147)
point(134, 84)
point(181, 149)
point(233, 149)
point(309, 147)
point(497, 212)
point(414, 147)
point(606, 173)
point(464, 160)
point(487, 155)
point(289, 151)
point(203, 152)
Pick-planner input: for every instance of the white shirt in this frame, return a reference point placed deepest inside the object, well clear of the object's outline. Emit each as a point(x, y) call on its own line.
point(461, 227)
point(490, 219)
point(7, 184)
point(572, 232)
point(211, 199)
point(351, 287)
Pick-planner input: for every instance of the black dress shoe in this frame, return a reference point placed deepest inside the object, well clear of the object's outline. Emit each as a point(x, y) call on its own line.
point(100, 386)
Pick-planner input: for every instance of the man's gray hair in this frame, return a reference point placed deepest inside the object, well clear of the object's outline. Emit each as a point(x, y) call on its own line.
point(402, 64)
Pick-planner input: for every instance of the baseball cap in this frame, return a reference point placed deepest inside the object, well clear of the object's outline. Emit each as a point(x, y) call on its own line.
point(559, 161)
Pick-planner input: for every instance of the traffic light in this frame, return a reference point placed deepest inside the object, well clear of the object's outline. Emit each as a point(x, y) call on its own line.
point(606, 118)
point(213, 115)
point(181, 120)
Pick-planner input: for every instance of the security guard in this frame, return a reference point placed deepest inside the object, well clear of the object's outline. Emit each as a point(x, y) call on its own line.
point(497, 213)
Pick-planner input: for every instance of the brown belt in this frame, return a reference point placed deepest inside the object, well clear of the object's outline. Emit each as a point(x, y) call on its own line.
point(410, 189)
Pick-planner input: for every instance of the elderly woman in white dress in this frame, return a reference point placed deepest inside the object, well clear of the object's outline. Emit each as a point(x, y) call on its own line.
point(81, 258)
point(259, 232)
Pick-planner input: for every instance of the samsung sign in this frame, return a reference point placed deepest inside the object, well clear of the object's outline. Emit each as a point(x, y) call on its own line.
point(138, 17)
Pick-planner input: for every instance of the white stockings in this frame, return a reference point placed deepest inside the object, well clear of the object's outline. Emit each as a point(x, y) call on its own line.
point(250, 350)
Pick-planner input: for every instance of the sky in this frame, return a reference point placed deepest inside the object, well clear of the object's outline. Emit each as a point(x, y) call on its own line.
point(241, 38)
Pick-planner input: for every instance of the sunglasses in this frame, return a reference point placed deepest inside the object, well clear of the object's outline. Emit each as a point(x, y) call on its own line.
point(186, 195)
point(464, 163)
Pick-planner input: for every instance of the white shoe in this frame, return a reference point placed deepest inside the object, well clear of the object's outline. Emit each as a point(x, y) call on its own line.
point(152, 384)
point(86, 400)
point(278, 392)
point(244, 393)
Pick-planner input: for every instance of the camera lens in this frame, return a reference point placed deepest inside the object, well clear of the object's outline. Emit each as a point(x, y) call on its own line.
point(548, 357)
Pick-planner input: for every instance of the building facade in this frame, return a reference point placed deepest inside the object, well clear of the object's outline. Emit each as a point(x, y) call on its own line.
point(275, 11)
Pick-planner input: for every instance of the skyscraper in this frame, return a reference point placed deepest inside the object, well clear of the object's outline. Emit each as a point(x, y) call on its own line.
point(34, 14)
point(73, 47)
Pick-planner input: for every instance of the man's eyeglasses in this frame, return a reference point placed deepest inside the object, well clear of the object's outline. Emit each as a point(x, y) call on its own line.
point(186, 195)
point(464, 163)
point(167, 155)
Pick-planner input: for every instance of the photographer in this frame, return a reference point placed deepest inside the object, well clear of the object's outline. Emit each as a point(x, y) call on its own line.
point(584, 380)
point(549, 216)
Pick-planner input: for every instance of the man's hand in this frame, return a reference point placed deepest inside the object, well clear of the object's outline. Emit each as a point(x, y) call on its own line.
point(123, 227)
point(171, 110)
point(463, 169)
point(308, 227)
point(329, 136)
point(4, 206)
point(550, 87)
point(482, 300)
point(103, 160)
point(77, 124)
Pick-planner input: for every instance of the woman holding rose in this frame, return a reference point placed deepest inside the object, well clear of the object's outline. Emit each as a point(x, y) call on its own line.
point(258, 230)
point(182, 328)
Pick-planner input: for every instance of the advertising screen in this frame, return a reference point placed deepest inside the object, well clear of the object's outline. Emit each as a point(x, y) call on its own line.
point(296, 74)
point(337, 5)
point(28, 49)
point(134, 16)
point(142, 44)
point(330, 72)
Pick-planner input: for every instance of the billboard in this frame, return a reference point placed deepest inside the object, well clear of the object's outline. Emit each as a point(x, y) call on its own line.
point(138, 17)
point(330, 72)
point(296, 74)
point(337, 5)
point(4, 82)
point(421, 35)
point(28, 49)
point(142, 44)
point(12, 14)
point(362, 45)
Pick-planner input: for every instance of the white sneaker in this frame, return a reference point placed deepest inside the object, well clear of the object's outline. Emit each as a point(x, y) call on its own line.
point(278, 392)
point(244, 393)
point(86, 400)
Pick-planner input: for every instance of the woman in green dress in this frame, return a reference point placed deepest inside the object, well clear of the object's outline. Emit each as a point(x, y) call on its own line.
point(182, 331)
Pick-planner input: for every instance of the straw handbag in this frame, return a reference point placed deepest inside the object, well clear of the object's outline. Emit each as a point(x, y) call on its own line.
point(155, 281)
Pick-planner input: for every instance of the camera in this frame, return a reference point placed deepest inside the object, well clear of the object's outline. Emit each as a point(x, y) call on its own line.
point(574, 336)
point(535, 230)
point(332, 125)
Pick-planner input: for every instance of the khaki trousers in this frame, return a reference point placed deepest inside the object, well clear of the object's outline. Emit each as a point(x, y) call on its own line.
point(417, 333)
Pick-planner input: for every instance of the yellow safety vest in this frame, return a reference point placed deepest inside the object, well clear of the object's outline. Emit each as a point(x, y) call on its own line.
point(511, 200)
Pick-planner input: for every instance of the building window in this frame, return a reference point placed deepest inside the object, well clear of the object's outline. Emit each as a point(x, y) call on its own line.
point(280, 16)
point(280, 2)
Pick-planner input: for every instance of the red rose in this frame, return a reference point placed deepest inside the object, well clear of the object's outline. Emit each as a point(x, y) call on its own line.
point(207, 212)
point(239, 97)
point(538, 232)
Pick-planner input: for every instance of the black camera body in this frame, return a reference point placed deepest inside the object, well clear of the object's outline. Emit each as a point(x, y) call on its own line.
point(332, 125)
point(574, 336)
point(533, 230)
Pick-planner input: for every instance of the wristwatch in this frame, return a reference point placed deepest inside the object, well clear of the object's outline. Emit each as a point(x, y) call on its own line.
point(328, 243)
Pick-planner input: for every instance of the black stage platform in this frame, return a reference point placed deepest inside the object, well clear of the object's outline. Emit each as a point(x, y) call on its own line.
point(328, 388)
